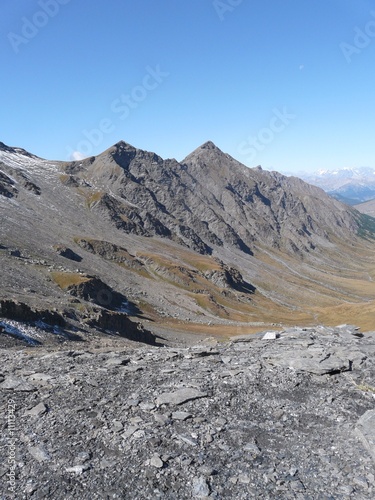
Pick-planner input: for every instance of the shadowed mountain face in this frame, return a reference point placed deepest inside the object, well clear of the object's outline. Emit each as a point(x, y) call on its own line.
point(203, 240)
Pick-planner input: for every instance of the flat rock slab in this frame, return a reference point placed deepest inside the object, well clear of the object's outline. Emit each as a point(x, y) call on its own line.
point(309, 361)
point(365, 429)
point(37, 411)
point(181, 415)
point(12, 383)
point(179, 397)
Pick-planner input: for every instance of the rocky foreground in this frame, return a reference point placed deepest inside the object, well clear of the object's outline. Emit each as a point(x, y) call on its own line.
point(281, 415)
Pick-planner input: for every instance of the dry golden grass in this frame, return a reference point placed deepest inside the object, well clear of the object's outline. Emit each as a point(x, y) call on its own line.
point(65, 280)
point(221, 332)
point(178, 255)
point(360, 314)
point(331, 288)
point(91, 197)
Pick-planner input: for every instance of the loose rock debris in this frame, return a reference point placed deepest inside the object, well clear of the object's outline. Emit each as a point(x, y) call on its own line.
point(289, 417)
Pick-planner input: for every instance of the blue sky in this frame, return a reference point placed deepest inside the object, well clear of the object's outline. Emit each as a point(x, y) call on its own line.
point(289, 84)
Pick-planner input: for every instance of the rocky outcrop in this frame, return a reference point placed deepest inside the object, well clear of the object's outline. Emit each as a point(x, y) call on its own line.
point(119, 324)
point(68, 253)
point(109, 251)
point(230, 278)
point(91, 289)
point(22, 312)
point(7, 187)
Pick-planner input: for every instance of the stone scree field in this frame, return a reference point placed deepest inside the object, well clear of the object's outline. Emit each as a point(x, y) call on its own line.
point(287, 415)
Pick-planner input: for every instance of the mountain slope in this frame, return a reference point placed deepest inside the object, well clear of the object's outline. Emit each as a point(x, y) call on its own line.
point(182, 245)
point(367, 207)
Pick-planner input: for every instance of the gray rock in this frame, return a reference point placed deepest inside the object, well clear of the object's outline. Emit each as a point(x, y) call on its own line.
point(40, 378)
point(187, 439)
point(129, 432)
point(161, 419)
point(180, 396)
point(157, 462)
point(181, 415)
point(77, 469)
point(40, 453)
point(117, 361)
point(365, 429)
point(201, 488)
point(146, 406)
point(12, 383)
point(117, 426)
point(37, 411)
point(252, 448)
point(317, 362)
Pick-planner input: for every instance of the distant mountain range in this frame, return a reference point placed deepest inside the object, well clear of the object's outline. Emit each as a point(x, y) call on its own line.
point(349, 185)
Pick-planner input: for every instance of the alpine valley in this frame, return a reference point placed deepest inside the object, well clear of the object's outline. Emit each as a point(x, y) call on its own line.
point(129, 243)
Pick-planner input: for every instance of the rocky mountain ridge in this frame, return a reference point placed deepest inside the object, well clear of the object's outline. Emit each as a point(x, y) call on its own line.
point(201, 242)
point(208, 200)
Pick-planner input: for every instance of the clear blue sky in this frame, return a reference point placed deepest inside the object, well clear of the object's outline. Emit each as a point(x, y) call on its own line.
point(168, 75)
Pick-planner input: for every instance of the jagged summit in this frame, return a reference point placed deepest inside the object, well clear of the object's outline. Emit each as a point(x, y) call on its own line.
point(121, 146)
point(206, 150)
point(209, 145)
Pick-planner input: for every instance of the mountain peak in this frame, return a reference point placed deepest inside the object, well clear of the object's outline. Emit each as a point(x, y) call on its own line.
point(208, 145)
point(122, 146)
point(208, 148)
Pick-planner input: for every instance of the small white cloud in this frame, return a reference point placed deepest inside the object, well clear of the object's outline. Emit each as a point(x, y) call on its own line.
point(301, 67)
point(77, 155)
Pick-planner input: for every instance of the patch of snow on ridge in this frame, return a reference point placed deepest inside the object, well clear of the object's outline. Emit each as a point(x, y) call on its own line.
point(23, 162)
